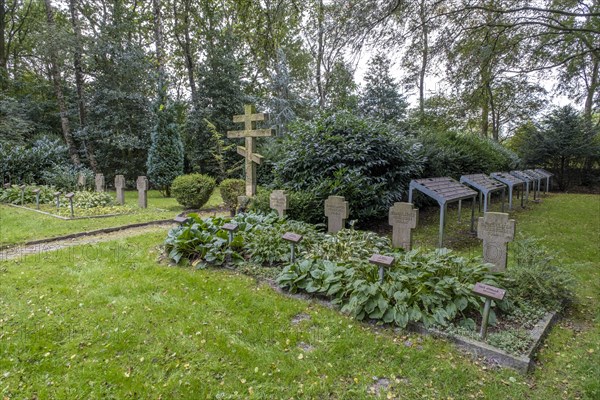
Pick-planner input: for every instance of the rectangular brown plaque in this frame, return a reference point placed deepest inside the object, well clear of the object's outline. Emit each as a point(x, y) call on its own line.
point(36, 191)
point(488, 291)
point(69, 195)
point(22, 187)
point(384, 261)
point(292, 237)
point(180, 219)
point(230, 227)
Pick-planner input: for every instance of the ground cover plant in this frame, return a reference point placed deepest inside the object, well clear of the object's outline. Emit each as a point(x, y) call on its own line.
point(107, 321)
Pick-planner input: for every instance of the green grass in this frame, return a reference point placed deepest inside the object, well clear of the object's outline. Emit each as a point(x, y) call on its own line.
point(108, 321)
point(18, 225)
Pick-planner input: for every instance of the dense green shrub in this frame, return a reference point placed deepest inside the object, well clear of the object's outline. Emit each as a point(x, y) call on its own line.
point(193, 190)
point(93, 199)
point(165, 156)
point(19, 164)
point(364, 160)
point(230, 190)
point(65, 177)
point(453, 154)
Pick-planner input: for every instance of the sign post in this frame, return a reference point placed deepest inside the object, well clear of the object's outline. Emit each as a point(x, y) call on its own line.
point(490, 293)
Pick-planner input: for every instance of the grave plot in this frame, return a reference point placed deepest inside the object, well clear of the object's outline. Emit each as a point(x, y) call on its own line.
point(512, 182)
point(444, 190)
point(485, 186)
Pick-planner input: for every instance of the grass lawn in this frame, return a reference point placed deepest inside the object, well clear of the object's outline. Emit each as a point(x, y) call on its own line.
point(108, 321)
point(18, 225)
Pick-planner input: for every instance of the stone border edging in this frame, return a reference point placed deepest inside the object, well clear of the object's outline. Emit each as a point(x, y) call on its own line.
point(522, 364)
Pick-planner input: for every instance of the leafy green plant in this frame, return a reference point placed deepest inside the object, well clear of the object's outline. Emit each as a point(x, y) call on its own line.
point(230, 190)
point(93, 199)
point(432, 288)
point(193, 190)
point(65, 177)
point(12, 195)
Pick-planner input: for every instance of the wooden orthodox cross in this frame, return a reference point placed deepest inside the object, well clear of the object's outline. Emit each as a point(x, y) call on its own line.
point(249, 151)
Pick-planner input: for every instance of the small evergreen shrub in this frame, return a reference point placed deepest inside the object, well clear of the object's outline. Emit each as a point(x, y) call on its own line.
point(193, 190)
point(230, 190)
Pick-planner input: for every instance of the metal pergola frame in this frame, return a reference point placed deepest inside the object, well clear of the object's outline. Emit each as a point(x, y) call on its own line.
point(512, 182)
point(537, 178)
point(527, 179)
point(444, 190)
point(485, 186)
point(547, 175)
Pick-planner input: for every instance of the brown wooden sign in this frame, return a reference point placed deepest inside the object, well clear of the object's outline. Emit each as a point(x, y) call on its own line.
point(292, 237)
point(487, 291)
point(36, 191)
point(69, 195)
point(230, 227)
point(180, 219)
point(381, 260)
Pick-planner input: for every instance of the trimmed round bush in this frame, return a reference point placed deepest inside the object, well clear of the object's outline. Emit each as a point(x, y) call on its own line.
point(230, 190)
point(193, 190)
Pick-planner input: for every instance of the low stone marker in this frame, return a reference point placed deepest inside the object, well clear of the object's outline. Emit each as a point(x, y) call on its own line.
point(23, 187)
point(57, 195)
point(383, 262)
point(496, 230)
point(279, 202)
point(403, 218)
point(490, 293)
point(120, 186)
point(70, 197)
point(230, 228)
point(99, 182)
point(37, 197)
point(294, 239)
point(81, 180)
point(142, 187)
point(337, 212)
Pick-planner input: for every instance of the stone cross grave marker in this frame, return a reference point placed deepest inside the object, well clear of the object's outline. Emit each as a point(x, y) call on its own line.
point(120, 186)
point(403, 218)
point(336, 211)
point(81, 179)
point(142, 187)
point(279, 201)
point(249, 150)
point(99, 182)
point(496, 230)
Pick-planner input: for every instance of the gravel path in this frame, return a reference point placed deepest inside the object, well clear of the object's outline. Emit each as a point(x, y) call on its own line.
point(26, 250)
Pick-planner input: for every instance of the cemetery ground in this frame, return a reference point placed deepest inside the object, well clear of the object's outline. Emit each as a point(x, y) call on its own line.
point(114, 321)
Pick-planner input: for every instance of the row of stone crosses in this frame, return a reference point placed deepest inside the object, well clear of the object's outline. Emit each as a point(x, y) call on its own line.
point(495, 229)
point(141, 183)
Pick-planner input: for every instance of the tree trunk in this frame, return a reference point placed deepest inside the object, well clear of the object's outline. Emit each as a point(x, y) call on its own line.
point(60, 98)
point(591, 89)
point(158, 38)
point(3, 49)
point(424, 59)
point(320, 53)
point(77, 66)
point(186, 46)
